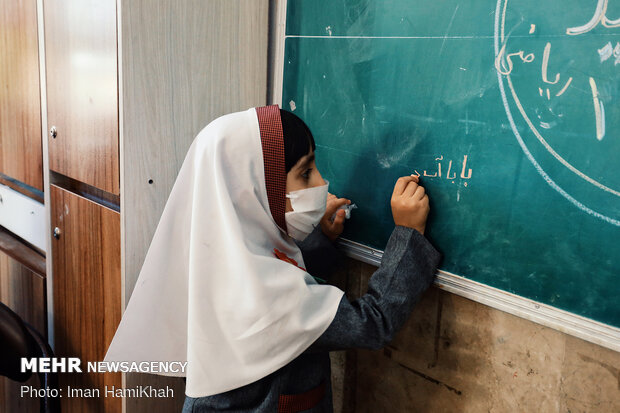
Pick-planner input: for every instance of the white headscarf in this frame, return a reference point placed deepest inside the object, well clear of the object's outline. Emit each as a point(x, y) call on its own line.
point(211, 290)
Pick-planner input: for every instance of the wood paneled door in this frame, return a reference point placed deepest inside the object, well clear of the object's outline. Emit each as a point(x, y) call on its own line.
point(86, 258)
point(20, 102)
point(82, 90)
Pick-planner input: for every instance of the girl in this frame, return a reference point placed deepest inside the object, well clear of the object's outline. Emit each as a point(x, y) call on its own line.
point(225, 287)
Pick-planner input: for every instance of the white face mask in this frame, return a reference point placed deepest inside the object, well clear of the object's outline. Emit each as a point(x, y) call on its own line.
point(308, 209)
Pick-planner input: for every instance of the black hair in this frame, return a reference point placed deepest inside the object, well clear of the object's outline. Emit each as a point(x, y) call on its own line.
point(298, 140)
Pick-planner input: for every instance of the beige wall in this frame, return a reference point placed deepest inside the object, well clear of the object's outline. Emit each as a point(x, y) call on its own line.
point(456, 355)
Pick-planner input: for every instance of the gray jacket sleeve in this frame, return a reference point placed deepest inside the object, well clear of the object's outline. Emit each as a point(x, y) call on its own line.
point(320, 254)
point(406, 271)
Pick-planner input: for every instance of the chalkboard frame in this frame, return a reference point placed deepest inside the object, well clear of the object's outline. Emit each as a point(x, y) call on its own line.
point(569, 323)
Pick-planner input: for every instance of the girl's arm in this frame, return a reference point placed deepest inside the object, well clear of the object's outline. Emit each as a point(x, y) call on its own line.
point(406, 271)
point(320, 254)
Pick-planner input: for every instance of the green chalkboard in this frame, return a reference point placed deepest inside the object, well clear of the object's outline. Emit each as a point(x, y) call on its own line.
point(508, 110)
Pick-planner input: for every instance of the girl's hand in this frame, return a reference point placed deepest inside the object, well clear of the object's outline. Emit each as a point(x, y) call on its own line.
point(333, 229)
point(410, 203)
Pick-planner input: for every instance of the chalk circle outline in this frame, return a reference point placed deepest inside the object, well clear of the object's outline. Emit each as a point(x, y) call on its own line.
point(541, 172)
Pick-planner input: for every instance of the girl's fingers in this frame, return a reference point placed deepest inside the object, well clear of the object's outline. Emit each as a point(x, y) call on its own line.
point(410, 189)
point(333, 205)
point(338, 224)
point(338, 202)
point(401, 184)
point(340, 215)
point(419, 193)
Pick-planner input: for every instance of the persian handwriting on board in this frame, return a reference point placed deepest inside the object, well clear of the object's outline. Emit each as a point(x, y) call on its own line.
point(450, 175)
point(574, 135)
point(504, 65)
point(555, 85)
point(600, 16)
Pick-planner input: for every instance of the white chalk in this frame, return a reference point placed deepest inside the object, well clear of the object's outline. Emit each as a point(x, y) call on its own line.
point(347, 210)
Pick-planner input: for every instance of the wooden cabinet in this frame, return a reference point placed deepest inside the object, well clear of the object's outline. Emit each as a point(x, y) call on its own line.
point(87, 292)
point(22, 288)
point(20, 103)
point(146, 83)
point(82, 90)
point(137, 78)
